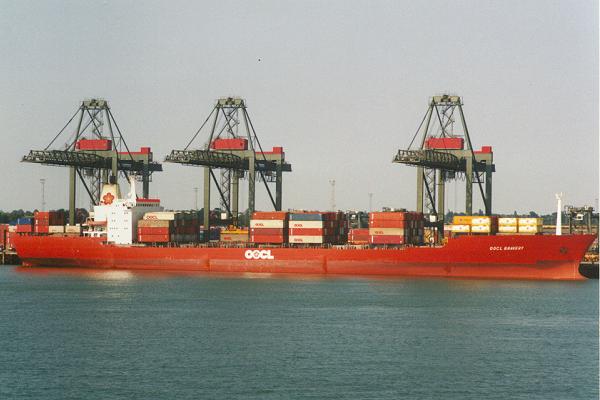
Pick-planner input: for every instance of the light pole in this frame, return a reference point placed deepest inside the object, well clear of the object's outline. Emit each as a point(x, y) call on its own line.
point(43, 182)
point(196, 198)
point(370, 202)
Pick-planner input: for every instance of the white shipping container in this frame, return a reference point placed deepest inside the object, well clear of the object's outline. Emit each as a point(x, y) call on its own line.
point(386, 231)
point(73, 228)
point(461, 228)
point(56, 229)
point(507, 221)
point(306, 224)
point(267, 223)
point(12, 228)
point(305, 239)
point(161, 215)
point(507, 229)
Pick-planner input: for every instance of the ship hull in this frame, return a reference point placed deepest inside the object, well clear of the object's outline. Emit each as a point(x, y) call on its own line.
point(488, 257)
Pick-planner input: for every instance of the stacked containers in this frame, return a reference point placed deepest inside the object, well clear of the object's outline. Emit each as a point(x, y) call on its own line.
point(168, 226)
point(49, 222)
point(396, 227)
point(461, 224)
point(269, 227)
point(185, 227)
point(154, 230)
point(485, 225)
point(530, 226)
point(474, 224)
point(24, 225)
point(316, 227)
point(358, 236)
point(508, 225)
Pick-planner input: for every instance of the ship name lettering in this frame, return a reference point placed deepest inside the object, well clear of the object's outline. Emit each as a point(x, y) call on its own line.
point(507, 248)
point(258, 255)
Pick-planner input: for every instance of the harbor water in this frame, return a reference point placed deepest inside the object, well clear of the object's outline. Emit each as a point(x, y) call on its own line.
point(75, 334)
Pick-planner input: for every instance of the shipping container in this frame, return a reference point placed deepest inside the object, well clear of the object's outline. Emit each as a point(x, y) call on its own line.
point(268, 238)
point(24, 228)
point(387, 231)
point(279, 215)
point(461, 228)
point(530, 228)
point(389, 215)
point(387, 239)
point(507, 221)
point(268, 223)
point(309, 231)
point(153, 230)
point(507, 229)
point(268, 231)
point(161, 215)
point(153, 238)
point(530, 221)
point(315, 239)
point(311, 224)
point(387, 223)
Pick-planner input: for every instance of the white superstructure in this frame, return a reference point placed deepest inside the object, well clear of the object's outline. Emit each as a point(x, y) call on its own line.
point(122, 215)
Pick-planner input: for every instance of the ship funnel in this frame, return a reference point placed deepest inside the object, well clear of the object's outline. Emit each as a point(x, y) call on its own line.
point(110, 192)
point(559, 197)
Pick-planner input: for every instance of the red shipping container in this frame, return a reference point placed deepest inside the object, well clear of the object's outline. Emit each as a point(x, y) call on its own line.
point(24, 228)
point(309, 231)
point(153, 231)
point(267, 238)
point(267, 231)
point(94, 144)
point(389, 215)
point(153, 238)
point(41, 229)
point(278, 215)
point(230, 144)
point(445, 143)
point(387, 239)
point(389, 224)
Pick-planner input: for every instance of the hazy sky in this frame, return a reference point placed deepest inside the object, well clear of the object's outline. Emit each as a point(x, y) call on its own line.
point(342, 85)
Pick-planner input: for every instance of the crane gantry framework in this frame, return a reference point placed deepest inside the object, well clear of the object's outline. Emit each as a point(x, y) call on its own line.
point(95, 121)
point(229, 119)
point(436, 164)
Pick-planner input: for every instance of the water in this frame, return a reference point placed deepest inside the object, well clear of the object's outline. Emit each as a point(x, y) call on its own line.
point(101, 335)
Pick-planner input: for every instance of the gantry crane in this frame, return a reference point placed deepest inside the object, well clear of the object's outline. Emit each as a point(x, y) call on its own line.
point(234, 148)
point(94, 155)
point(443, 154)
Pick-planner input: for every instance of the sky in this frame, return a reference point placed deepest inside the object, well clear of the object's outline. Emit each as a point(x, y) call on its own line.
point(341, 85)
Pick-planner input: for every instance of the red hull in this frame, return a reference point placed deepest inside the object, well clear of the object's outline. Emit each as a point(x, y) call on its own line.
point(493, 257)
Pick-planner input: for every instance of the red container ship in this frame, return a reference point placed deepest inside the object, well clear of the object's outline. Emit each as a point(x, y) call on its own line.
point(493, 257)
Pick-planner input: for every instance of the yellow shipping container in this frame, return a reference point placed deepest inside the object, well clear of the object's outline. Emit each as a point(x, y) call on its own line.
point(530, 221)
point(508, 221)
point(480, 228)
point(461, 228)
point(507, 229)
point(530, 228)
point(462, 219)
point(481, 221)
